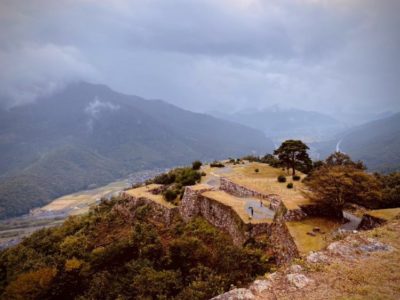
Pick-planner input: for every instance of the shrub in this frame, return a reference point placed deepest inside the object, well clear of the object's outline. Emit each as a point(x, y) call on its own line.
point(289, 185)
point(217, 164)
point(271, 160)
point(170, 195)
point(196, 165)
point(296, 177)
point(203, 174)
point(281, 178)
point(165, 178)
point(251, 158)
point(256, 170)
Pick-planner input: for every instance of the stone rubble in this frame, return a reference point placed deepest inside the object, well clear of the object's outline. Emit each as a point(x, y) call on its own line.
point(299, 280)
point(317, 258)
point(236, 294)
point(260, 286)
point(295, 269)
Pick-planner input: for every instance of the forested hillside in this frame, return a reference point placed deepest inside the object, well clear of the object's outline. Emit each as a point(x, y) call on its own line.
point(88, 134)
point(102, 255)
point(376, 143)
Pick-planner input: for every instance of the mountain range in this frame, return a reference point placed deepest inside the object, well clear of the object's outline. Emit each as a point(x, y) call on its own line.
point(287, 123)
point(376, 143)
point(86, 135)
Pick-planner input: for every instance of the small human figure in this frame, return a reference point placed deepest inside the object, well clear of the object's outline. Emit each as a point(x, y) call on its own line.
point(261, 204)
point(251, 210)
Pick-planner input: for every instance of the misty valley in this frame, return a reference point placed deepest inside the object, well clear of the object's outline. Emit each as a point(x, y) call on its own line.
point(199, 150)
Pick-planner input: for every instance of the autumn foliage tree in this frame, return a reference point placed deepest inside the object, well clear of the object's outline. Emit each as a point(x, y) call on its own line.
point(336, 185)
point(341, 159)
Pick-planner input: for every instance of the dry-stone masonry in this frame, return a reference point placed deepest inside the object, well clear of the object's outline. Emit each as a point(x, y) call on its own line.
point(159, 212)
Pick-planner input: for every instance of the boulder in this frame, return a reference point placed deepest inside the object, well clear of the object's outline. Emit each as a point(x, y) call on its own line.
point(299, 280)
point(374, 245)
point(295, 269)
point(260, 286)
point(236, 294)
point(317, 258)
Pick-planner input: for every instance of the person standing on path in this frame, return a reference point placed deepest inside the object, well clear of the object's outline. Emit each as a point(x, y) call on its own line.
point(251, 210)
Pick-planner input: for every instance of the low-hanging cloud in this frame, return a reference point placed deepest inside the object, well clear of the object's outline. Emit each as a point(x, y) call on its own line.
point(32, 71)
point(332, 56)
point(97, 107)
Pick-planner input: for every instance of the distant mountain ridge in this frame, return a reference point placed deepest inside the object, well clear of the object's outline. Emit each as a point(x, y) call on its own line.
point(285, 123)
point(88, 134)
point(376, 143)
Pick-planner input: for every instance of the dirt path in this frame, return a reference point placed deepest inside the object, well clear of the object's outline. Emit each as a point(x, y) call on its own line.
point(353, 222)
point(259, 212)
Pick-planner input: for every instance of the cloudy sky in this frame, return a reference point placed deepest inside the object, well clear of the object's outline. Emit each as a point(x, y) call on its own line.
point(330, 56)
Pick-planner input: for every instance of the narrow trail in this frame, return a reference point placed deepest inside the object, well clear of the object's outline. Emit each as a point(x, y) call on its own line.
point(353, 222)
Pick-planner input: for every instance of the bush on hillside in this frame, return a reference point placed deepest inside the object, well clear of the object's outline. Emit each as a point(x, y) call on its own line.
point(217, 164)
point(256, 170)
point(165, 178)
point(251, 158)
point(196, 165)
point(271, 160)
point(289, 185)
point(170, 194)
point(391, 190)
point(296, 177)
point(281, 178)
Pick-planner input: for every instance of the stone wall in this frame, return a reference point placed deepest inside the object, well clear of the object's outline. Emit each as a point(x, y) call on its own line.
point(189, 207)
point(285, 248)
point(295, 215)
point(369, 222)
point(241, 191)
point(226, 219)
point(159, 212)
point(219, 215)
point(276, 203)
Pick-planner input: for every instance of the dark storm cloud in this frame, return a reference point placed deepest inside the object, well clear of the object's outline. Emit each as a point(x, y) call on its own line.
point(228, 54)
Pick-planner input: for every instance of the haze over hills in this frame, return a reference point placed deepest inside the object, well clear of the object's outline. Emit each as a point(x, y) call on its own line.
point(283, 123)
point(376, 143)
point(88, 134)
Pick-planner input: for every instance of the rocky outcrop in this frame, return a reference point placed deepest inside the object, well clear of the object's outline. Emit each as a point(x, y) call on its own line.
point(369, 222)
point(159, 212)
point(298, 280)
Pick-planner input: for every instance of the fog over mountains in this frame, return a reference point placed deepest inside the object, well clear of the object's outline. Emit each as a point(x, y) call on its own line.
point(88, 134)
point(377, 143)
point(282, 123)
